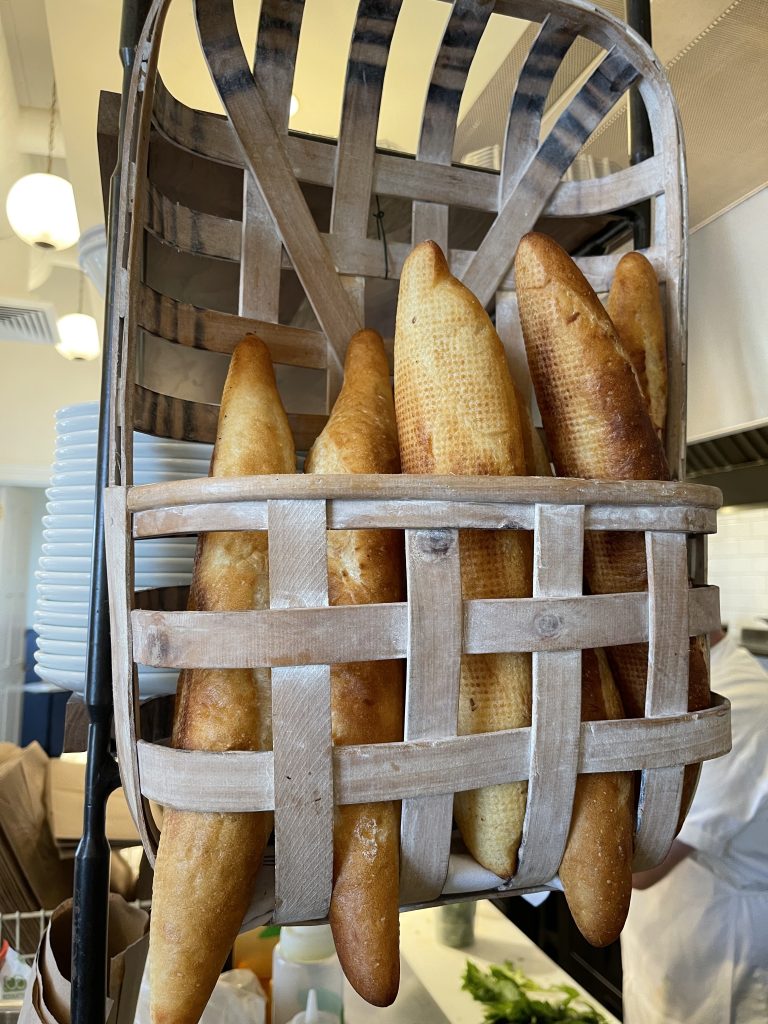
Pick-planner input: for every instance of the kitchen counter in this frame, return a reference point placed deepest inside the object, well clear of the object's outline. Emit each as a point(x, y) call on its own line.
point(430, 986)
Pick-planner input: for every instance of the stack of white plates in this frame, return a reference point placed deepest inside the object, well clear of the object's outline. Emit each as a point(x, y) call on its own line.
point(64, 572)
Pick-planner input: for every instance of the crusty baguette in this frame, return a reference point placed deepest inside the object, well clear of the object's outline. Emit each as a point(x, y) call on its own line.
point(207, 863)
point(457, 413)
point(634, 306)
point(596, 870)
point(598, 426)
point(365, 567)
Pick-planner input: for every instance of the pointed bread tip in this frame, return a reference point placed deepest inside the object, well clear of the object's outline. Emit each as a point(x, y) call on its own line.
point(427, 258)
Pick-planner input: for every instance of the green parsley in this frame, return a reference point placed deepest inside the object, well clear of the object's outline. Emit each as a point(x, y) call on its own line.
point(505, 992)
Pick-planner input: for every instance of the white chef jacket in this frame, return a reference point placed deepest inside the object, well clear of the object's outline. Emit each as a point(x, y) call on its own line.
point(695, 945)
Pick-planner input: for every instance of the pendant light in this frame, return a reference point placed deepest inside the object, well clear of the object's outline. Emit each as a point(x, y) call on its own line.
point(41, 207)
point(78, 332)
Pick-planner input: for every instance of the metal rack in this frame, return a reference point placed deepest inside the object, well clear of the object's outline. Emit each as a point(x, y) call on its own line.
point(92, 860)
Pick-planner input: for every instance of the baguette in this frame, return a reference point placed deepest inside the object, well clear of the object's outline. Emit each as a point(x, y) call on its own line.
point(457, 413)
point(596, 870)
point(365, 567)
point(634, 306)
point(598, 426)
point(207, 862)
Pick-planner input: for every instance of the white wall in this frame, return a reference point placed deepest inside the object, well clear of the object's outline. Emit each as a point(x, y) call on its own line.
point(35, 381)
point(738, 564)
point(728, 321)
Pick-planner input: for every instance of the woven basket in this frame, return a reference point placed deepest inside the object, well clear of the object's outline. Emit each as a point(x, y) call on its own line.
point(250, 155)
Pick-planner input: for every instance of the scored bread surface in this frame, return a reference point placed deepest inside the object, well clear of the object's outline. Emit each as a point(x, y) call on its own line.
point(598, 426)
point(634, 306)
point(206, 862)
point(365, 567)
point(457, 413)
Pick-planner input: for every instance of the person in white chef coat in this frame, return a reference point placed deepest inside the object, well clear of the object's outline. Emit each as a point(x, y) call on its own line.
point(695, 945)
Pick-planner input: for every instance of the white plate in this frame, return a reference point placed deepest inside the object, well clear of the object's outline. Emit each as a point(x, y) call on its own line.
point(48, 645)
point(71, 481)
point(76, 566)
point(150, 685)
point(68, 593)
point(53, 611)
point(81, 446)
point(71, 524)
point(144, 549)
point(69, 507)
point(51, 631)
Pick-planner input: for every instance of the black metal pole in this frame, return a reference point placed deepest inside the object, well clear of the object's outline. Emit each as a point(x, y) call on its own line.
point(91, 880)
point(638, 14)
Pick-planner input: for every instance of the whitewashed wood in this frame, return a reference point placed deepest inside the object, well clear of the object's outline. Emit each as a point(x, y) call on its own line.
point(379, 632)
point(214, 331)
point(548, 490)
point(511, 335)
point(432, 699)
point(301, 722)
point(356, 149)
point(558, 569)
point(346, 514)
point(242, 780)
point(524, 205)
point(267, 159)
point(119, 552)
point(667, 693)
point(524, 123)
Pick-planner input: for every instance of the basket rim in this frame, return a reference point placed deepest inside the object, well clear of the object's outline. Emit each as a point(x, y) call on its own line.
point(411, 487)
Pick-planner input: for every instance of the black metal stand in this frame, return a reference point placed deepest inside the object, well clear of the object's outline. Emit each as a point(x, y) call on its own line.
point(638, 14)
point(91, 882)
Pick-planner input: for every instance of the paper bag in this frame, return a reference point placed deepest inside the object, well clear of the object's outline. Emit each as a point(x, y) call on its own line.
point(127, 942)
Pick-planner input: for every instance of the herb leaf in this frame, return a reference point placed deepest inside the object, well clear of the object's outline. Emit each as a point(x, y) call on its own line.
point(503, 989)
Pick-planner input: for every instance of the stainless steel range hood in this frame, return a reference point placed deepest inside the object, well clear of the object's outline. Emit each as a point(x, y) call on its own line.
point(736, 463)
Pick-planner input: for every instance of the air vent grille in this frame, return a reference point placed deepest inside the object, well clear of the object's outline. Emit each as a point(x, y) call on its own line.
point(24, 321)
point(736, 451)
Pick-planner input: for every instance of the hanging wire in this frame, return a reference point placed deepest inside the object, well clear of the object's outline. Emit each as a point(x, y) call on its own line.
point(382, 234)
point(51, 129)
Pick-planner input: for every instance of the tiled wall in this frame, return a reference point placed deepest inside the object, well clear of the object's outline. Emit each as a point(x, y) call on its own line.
point(738, 564)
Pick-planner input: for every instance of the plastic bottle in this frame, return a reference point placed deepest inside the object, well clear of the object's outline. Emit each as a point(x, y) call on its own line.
point(312, 1015)
point(304, 959)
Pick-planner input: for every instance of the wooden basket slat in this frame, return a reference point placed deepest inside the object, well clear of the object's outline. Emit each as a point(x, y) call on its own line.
point(632, 494)
point(215, 331)
point(166, 416)
point(667, 692)
point(261, 248)
point(356, 148)
point(267, 160)
point(242, 780)
point(531, 91)
point(432, 700)
point(181, 639)
point(558, 571)
point(524, 205)
point(301, 722)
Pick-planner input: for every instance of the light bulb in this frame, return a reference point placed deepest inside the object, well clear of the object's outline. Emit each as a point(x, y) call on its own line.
point(41, 210)
point(78, 336)
point(294, 105)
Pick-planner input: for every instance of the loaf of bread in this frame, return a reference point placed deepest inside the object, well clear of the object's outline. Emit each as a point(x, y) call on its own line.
point(596, 870)
point(457, 413)
point(634, 306)
point(365, 567)
point(598, 426)
point(207, 863)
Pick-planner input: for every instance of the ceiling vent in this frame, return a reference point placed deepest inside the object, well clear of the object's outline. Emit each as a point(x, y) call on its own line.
point(27, 321)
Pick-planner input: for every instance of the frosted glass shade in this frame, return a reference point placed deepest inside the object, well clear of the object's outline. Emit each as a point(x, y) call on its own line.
point(78, 336)
point(41, 210)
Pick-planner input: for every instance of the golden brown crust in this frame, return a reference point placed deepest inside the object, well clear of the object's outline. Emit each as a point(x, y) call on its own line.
point(207, 863)
point(598, 426)
point(593, 411)
point(596, 869)
point(457, 412)
point(634, 306)
point(365, 567)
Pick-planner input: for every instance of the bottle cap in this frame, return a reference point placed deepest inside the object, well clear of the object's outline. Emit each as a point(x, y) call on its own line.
point(312, 1015)
point(305, 943)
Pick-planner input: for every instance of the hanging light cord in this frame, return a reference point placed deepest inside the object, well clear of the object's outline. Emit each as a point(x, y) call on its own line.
point(51, 130)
